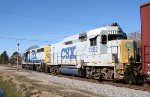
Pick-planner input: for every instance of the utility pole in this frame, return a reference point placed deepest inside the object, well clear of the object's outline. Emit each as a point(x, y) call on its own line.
point(18, 57)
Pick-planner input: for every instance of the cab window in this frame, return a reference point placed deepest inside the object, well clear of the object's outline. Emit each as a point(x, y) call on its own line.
point(104, 39)
point(93, 41)
point(112, 37)
point(40, 50)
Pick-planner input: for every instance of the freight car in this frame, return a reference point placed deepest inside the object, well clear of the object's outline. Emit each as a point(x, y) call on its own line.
point(145, 29)
point(102, 53)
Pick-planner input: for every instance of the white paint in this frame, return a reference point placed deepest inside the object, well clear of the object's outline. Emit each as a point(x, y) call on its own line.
point(99, 55)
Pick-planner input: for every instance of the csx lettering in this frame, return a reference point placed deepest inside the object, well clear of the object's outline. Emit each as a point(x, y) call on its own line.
point(68, 53)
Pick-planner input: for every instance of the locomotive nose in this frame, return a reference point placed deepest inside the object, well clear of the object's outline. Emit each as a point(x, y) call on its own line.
point(128, 48)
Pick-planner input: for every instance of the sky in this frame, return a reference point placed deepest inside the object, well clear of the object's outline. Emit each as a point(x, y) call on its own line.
point(44, 22)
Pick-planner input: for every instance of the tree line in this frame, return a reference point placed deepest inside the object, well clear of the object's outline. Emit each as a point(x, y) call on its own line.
point(5, 59)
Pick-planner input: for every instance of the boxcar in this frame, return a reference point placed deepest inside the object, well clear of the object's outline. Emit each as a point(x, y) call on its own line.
point(145, 29)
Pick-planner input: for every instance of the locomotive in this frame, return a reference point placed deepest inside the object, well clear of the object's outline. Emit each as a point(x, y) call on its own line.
point(103, 53)
point(36, 58)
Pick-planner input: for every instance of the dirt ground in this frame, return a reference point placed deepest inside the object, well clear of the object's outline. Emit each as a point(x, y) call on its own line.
point(30, 86)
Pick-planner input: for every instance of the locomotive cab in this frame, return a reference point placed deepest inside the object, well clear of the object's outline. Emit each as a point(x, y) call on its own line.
point(125, 56)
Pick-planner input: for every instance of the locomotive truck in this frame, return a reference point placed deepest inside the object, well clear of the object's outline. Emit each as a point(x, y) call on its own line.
point(103, 53)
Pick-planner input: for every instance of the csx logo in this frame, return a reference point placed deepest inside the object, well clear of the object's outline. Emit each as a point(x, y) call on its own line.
point(33, 55)
point(129, 45)
point(68, 53)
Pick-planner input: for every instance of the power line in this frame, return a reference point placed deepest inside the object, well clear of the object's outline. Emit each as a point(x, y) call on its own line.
point(24, 39)
point(46, 18)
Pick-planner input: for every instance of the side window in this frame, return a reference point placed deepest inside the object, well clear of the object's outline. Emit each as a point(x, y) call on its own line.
point(83, 37)
point(40, 50)
point(104, 39)
point(68, 42)
point(93, 41)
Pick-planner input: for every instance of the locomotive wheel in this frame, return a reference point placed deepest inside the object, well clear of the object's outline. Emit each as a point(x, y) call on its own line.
point(34, 67)
point(130, 77)
point(23, 65)
point(58, 72)
point(52, 70)
point(37, 68)
point(101, 78)
point(55, 70)
point(83, 72)
point(45, 68)
point(89, 73)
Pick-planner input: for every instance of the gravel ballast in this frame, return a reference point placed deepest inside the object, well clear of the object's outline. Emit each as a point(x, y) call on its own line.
point(107, 90)
point(95, 87)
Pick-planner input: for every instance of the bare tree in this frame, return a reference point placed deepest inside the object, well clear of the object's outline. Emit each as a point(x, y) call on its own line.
point(135, 36)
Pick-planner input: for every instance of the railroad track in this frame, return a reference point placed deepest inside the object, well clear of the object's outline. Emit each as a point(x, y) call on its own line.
point(144, 87)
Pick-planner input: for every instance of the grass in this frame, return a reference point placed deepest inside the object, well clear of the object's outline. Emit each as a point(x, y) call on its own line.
point(9, 89)
point(28, 86)
point(50, 88)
